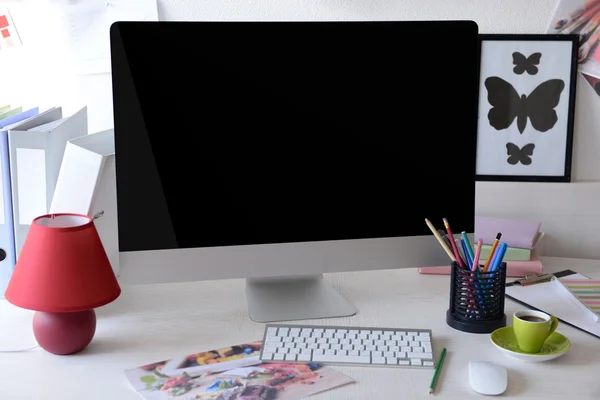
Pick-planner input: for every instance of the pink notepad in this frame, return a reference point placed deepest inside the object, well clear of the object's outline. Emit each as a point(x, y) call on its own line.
point(515, 232)
point(514, 269)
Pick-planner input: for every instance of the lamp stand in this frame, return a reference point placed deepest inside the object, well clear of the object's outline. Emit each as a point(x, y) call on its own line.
point(64, 333)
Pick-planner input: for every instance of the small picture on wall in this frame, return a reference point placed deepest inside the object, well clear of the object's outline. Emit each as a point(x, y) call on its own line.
point(581, 17)
point(526, 107)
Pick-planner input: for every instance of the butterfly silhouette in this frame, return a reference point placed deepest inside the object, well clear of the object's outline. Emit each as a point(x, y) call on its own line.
point(528, 64)
point(516, 154)
point(538, 106)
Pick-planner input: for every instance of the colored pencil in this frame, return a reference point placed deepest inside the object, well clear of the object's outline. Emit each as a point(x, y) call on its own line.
point(458, 259)
point(439, 239)
point(464, 236)
point(436, 374)
point(477, 254)
point(492, 251)
point(499, 256)
point(465, 250)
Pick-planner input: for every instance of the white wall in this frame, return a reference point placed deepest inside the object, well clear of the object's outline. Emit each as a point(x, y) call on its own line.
point(570, 213)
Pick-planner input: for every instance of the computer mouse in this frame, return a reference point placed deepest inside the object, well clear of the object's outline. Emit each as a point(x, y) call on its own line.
point(487, 378)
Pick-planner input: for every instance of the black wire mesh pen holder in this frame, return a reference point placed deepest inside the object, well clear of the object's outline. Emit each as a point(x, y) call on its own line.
point(477, 299)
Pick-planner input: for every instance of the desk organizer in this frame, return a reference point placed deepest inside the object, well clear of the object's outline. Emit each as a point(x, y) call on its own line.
point(476, 299)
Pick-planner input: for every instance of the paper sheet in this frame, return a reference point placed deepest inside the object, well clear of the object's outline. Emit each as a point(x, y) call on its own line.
point(229, 373)
point(544, 297)
point(88, 28)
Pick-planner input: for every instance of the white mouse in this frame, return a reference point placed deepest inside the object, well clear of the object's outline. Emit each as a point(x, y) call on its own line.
point(487, 378)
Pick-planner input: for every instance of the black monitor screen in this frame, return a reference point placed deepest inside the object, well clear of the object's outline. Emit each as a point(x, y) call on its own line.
point(238, 133)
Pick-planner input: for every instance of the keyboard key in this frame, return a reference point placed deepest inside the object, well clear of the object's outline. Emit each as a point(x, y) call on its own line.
point(341, 359)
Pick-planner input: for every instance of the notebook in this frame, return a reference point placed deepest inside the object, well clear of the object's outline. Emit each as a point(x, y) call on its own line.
point(548, 297)
point(515, 232)
point(585, 293)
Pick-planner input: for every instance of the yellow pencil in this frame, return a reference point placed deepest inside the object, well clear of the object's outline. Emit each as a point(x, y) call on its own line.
point(439, 238)
point(492, 251)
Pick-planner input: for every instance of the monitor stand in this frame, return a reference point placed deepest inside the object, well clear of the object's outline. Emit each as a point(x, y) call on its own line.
point(294, 298)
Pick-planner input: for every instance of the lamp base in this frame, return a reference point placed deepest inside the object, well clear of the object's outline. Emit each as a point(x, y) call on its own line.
point(64, 333)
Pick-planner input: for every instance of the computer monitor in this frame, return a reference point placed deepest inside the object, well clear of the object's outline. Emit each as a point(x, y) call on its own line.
point(280, 151)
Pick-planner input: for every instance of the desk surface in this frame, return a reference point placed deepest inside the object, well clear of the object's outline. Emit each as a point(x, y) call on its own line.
point(156, 322)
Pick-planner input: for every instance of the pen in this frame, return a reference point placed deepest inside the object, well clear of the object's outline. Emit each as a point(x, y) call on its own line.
point(464, 236)
point(492, 251)
point(436, 374)
point(439, 238)
point(451, 237)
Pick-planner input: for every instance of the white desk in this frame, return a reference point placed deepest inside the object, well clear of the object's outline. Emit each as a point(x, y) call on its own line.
point(152, 323)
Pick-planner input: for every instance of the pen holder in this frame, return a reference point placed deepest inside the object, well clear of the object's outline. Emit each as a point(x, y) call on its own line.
point(477, 299)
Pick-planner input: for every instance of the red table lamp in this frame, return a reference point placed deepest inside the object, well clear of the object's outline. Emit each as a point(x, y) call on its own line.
point(63, 273)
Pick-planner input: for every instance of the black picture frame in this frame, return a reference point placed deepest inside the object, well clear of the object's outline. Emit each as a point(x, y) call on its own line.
point(523, 69)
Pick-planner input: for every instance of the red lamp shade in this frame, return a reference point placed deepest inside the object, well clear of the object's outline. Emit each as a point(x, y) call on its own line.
point(64, 273)
point(62, 267)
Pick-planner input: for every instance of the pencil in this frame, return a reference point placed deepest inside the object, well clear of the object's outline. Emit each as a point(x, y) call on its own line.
point(454, 248)
point(436, 374)
point(492, 251)
point(439, 238)
point(464, 236)
point(477, 254)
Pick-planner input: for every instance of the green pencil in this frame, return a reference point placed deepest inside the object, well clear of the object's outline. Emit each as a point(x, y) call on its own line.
point(436, 374)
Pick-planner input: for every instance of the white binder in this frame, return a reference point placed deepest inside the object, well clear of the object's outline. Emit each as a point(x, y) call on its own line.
point(36, 151)
point(7, 231)
point(86, 185)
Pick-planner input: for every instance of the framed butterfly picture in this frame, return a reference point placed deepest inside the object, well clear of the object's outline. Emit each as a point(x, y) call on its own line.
point(527, 85)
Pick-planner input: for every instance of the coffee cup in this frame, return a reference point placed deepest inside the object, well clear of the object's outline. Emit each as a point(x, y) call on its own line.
point(532, 328)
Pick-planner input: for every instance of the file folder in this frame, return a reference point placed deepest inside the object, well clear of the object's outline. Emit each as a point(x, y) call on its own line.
point(37, 147)
point(7, 235)
point(87, 185)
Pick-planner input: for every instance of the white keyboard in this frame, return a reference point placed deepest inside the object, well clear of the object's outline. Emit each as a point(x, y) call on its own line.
point(346, 345)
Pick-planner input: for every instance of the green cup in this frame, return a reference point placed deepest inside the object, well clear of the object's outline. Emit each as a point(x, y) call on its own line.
point(532, 328)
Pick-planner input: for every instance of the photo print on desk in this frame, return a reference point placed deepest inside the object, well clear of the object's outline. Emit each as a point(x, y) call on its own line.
point(527, 86)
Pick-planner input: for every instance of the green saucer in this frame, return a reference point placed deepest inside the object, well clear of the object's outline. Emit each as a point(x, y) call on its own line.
point(555, 346)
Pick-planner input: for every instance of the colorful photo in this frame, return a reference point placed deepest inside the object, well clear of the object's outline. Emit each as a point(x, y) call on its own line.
point(581, 17)
point(212, 361)
point(272, 381)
